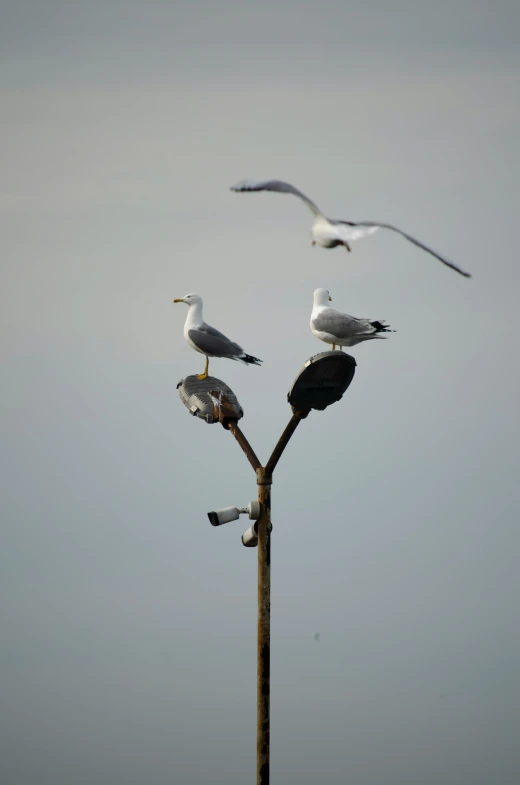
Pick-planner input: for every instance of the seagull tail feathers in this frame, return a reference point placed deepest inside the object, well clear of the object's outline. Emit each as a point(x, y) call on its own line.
point(381, 327)
point(250, 360)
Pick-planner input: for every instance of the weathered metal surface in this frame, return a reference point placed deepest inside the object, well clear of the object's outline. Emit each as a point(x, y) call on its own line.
point(264, 631)
point(232, 425)
point(322, 380)
point(262, 540)
point(209, 399)
point(283, 441)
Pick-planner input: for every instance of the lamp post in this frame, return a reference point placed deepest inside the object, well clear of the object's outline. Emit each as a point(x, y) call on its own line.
point(321, 382)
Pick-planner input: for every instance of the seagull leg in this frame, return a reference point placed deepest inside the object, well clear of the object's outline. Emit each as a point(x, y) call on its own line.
point(333, 347)
point(204, 375)
point(347, 246)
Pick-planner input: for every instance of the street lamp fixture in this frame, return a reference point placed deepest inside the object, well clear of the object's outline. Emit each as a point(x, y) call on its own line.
point(210, 399)
point(322, 381)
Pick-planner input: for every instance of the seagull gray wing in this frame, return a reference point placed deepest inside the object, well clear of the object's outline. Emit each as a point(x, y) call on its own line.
point(275, 185)
point(341, 325)
point(376, 225)
point(213, 343)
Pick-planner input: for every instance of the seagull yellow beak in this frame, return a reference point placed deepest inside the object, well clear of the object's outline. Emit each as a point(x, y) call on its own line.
point(178, 300)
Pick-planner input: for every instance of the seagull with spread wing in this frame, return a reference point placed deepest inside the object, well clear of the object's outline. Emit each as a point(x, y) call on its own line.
point(339, 329)
point(206, 340)
point(329, 233)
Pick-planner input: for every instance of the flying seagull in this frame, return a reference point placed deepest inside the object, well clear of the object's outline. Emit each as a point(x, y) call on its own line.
point(329, 233)
point(206, 340)
point(339, 329)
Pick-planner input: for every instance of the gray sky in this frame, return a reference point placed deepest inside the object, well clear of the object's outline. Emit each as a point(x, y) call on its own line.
point(128, 624)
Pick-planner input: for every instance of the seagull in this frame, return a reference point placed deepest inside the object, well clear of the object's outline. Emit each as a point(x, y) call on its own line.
point(206, 340)
point(329, 233)
point(339, 329)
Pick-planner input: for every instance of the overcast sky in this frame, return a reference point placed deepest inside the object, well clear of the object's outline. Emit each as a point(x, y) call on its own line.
point(128, 624)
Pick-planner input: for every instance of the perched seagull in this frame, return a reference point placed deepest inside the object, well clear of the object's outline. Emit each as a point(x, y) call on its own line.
point(338, 328)
point(206, 340)
point(329, 233)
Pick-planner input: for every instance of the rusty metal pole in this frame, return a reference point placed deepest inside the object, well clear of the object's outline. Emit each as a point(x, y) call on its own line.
point(264, 481)
point(263, 686)
point(232, 425)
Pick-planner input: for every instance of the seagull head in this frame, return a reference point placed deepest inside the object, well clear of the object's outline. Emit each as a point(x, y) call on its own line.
point(189, 299)
point(322, 297)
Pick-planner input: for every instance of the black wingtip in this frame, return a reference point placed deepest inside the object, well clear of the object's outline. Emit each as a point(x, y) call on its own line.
point(381, 327)
point(250, 360)
point(457, 269)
